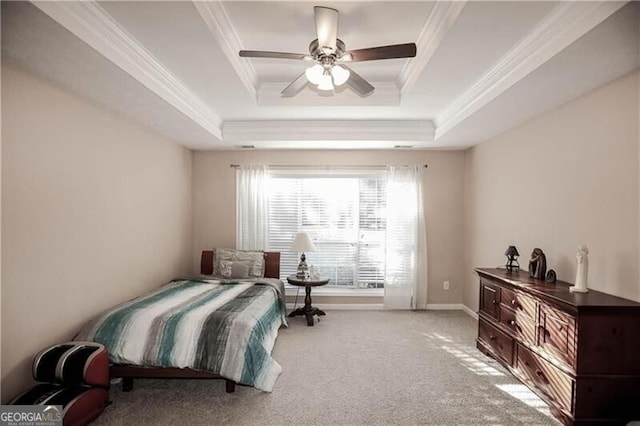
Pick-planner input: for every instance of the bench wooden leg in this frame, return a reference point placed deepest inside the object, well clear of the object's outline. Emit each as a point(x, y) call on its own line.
point(230, 385)
point(127, 384)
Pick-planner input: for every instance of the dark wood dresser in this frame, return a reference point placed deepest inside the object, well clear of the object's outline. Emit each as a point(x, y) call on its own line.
point(580, 352)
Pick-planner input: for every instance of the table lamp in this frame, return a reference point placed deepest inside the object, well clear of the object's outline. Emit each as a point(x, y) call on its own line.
point(302, 243)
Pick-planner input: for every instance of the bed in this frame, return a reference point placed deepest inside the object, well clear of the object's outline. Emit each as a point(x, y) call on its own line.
point(200, 327)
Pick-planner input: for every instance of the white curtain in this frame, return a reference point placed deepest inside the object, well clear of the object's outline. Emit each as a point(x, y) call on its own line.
point(405, 285)
point(252, 208)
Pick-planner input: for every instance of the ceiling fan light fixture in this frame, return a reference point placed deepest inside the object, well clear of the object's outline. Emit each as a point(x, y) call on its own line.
point(314, 73)
point(340, 75)
point(325, 82)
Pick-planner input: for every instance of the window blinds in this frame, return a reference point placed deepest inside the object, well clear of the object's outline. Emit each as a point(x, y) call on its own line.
point(346, 217)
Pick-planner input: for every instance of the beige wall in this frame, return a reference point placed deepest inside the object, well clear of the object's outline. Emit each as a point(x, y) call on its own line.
point(96, 210)
point(567, 177)
point(214, 203)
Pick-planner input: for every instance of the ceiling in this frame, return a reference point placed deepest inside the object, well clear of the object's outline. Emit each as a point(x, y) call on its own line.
point(481, 67)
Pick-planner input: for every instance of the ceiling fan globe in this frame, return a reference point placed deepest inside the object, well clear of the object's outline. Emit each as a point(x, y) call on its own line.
point(340, 75)
point(314, 73)
point(325, 82)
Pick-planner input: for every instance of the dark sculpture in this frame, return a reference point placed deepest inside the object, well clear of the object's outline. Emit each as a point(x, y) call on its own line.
point(537, 264)
point(512, 259)
point(551, 276)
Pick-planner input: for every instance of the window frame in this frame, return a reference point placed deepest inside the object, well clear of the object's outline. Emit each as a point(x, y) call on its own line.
point(323, 173)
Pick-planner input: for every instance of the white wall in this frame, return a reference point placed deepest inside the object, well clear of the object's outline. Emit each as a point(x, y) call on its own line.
point(95, 210)
point(567, 177)
point(214, 211)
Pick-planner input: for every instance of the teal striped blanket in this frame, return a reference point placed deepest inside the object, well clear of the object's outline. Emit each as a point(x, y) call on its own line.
point(227, 328)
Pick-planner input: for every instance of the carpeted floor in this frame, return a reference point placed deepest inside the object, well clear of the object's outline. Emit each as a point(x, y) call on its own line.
point(354, 367)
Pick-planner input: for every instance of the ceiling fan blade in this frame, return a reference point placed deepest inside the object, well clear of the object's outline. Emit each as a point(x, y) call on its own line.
point(295, 86)
point(275, 55)
point(326, 28)
point(407, 50)
point(359, 84)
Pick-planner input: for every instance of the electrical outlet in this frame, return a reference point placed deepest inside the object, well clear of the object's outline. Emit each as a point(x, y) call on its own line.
point(446, 285)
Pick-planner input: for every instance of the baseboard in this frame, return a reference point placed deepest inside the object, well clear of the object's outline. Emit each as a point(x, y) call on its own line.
point(444, 306)
point(336, 292)
point(452, 307)
point(469, 311)
point(380, 307)
point(345, 306)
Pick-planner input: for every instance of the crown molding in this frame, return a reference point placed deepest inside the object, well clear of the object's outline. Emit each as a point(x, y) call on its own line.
point(385, 94)
point(92, 24)
point(388, 131)
point(566, 23)
point(440, 20)
point(217, 20)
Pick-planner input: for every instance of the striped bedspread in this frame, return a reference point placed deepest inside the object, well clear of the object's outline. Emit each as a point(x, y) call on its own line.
point(228, 328)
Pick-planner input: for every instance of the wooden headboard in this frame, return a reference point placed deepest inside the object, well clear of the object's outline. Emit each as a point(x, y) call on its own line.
point(271, 263)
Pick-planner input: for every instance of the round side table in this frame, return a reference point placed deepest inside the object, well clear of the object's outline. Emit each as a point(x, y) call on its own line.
point(307, 310)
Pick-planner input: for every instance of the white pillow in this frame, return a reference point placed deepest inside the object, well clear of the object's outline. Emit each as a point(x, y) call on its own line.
point(254, 257)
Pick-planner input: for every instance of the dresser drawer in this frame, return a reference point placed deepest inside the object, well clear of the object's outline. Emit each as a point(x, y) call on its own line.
point(520, 303)
point(500, 342)
point(522, 326)
point(557, 334)
point(489, 298)
point(555, 384)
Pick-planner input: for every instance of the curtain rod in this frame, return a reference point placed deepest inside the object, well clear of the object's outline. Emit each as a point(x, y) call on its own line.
point(308, 166)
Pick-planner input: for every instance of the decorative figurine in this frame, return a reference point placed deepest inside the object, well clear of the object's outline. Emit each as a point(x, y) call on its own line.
point(512, 259)
point(537, 264)
point(314, 273)
point(583, 269)
point(551, 276)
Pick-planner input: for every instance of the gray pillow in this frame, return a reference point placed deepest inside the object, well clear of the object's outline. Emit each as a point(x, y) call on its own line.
point(235, 269)
point(256, 258)
point(220, 255)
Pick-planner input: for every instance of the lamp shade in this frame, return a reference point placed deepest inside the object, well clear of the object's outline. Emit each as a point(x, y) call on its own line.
point(303, 243)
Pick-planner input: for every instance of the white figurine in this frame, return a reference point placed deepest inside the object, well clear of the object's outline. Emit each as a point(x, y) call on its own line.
point(583, 269)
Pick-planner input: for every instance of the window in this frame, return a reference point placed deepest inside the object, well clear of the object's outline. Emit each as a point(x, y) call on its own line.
point(346, 217)
point(369, 228)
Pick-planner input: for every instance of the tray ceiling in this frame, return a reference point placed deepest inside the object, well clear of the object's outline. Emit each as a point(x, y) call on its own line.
point(174, 67)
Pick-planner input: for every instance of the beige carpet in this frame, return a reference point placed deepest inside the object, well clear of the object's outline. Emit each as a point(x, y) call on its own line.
point(354, 367)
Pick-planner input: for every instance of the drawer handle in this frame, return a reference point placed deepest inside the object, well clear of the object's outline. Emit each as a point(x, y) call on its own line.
point(493, 338)
point(543, 330)
point(515, 303)
point(540, 374)
point(514, 324)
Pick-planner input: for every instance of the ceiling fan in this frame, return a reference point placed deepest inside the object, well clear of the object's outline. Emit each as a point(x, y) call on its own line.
point(330, 55)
